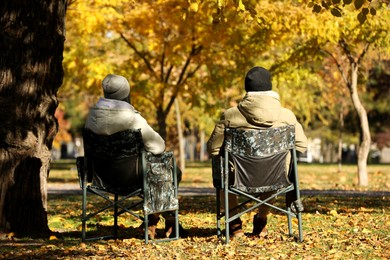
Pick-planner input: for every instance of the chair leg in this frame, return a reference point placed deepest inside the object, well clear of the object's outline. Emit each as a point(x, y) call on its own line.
point(172, 226)
point(146, 228)
point(116, 216)
point(300, 227)
point(177, 235)
point(227, 222)
point(84, 213)
point(218, 198)
point(290, 232)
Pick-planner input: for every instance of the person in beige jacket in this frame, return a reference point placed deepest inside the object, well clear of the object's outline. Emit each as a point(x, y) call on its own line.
point(260, 108)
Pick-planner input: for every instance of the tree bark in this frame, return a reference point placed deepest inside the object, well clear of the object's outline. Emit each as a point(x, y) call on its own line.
point(161, 121)
point(31, 43)
point(365, 137)
point(182, 155)
point(340, 144)
point(365, 143)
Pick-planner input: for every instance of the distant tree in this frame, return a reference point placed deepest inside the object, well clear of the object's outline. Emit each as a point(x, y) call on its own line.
point(347, 42)
point(167, 49)
point(350, 73)
point(378, 102)
point(378, 85)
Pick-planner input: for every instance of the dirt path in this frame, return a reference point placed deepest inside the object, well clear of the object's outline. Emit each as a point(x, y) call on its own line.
point(74, 188)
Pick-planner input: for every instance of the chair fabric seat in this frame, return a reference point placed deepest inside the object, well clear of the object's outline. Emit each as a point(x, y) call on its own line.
point(244, 173)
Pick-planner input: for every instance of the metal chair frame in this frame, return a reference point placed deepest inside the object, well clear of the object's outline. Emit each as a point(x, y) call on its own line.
point(119, 201)
point(293, 210)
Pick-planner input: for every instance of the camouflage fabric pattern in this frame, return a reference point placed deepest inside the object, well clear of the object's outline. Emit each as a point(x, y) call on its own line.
point(160, 191)
point(118, 145)
point(257, 143)
point(261, 142)
point(260, 189)
point(160, 195)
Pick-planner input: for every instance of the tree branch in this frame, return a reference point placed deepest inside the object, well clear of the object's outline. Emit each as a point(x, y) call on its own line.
point(365, 50)
point(162, 63)
point(339, 67)
point(168, 74)
point(140, 54)
point(344, 46)
point(195, 50)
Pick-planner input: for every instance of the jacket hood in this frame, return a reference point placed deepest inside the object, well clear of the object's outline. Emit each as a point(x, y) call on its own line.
point(110, 116)
point(261, 108)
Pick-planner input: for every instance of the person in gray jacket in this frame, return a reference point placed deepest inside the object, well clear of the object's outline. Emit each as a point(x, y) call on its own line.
point(260, 108)
point(114, 113)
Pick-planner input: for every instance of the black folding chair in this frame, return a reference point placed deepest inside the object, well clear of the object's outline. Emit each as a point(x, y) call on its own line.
point(259, 159)
point(129, 179)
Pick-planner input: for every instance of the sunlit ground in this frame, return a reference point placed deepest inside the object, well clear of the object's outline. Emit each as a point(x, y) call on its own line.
point(335, 227)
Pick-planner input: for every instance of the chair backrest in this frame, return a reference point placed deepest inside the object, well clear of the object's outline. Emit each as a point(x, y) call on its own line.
point(259, 157)
point(112, 160)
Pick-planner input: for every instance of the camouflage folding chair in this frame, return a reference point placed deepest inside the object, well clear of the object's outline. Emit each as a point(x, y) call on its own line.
point(129, 179)
point(254, 162)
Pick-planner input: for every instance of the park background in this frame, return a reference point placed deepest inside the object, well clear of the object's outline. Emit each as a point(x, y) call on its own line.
point(185, 61)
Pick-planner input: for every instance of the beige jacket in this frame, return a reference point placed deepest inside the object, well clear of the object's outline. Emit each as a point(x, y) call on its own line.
point(257, 110)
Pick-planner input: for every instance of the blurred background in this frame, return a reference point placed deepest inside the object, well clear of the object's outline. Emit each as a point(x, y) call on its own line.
point(186, 62)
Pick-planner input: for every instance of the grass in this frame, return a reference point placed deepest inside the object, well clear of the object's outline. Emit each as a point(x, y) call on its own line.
point(335, 227)
point(312, 176)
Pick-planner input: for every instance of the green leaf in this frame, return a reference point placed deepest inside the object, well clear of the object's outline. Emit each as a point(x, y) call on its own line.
point(361, 17)
point(347, 2)
point(372, 11)
point(335, 12)
point(358, 4)
point(365, 11)
point(335, 2)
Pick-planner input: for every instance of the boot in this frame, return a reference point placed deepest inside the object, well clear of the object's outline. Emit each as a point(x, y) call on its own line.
point(259, 226)
point(170, 228)
point(235, 228)
point(152, 226)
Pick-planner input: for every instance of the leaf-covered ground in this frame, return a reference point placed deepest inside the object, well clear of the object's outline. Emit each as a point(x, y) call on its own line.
point(335, 227)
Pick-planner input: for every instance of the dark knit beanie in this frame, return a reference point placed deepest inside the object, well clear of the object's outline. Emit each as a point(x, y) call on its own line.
point(258, 79)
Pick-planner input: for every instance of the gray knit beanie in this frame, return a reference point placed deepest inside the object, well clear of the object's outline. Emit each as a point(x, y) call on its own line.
point(115, 87)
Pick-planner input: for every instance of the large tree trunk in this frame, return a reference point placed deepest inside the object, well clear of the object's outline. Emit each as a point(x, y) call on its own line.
point(31, 43)
point(364, 147)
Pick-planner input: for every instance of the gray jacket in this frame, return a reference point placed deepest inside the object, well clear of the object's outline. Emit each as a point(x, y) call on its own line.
point(110, 116)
